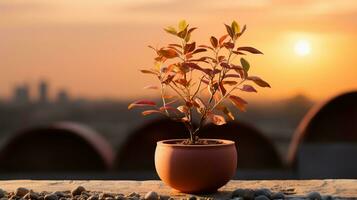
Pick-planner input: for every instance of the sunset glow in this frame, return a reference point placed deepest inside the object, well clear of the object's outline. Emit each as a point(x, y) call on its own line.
point(302, 48)
point(95, 48)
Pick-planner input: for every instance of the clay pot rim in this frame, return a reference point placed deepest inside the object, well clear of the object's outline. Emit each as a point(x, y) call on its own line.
point(168, 143)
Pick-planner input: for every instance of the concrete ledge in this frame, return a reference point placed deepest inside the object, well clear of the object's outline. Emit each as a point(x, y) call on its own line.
point(342, 188)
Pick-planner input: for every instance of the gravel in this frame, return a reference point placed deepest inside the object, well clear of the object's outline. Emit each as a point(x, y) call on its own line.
point(80, 193)
point(151, 196)
point(314, 196)
point(21, 191)
point(78, 190)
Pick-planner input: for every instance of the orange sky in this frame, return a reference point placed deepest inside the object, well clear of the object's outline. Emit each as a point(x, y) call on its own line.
point(94, 48)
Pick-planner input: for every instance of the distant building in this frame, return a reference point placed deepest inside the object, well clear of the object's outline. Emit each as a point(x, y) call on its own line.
point(43, 92)
point(21, 94)
point(62, 97)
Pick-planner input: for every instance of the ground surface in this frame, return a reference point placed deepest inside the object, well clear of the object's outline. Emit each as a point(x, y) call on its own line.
point(337, 188)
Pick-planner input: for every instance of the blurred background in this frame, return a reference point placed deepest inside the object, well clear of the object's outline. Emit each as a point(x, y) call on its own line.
point(69, 69)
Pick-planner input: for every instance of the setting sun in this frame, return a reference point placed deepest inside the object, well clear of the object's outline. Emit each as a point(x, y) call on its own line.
point(302, 48)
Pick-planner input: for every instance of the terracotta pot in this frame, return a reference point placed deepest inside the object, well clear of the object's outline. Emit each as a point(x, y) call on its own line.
point(195, 168)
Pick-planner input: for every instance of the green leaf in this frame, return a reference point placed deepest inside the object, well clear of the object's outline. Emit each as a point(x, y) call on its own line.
point(171, 30)
point(245, 64)
point(182, 25)
point(235, 27)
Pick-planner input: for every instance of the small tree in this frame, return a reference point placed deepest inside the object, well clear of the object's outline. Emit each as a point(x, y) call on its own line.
point(202, 77)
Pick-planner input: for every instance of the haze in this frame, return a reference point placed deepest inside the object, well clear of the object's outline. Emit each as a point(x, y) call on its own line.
point(94, 49)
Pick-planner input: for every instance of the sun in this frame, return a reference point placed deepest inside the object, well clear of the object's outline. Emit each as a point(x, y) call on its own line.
point(302, 48)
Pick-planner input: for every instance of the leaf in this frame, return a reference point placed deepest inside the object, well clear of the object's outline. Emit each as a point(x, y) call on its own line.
point(182, 34)
point(222, 89)
point(226, 111)
point(189, 47)
point(167, 108)
point(168, 53)
point(199, 51)
point(225, 65)
point(217, 119)
point(221, 40)
point(198, 103)
point(258, 81)
point(238, 53)
point(214, 41)
point(183, 109)
point(152, 87)
point(148, 112)
point(231, 83)
point(232, 76)
point(228, 45)
point(191, 29)
point(250, 50)
point(243, 30)
point(168, 96)
point(248, 88)
point(238, 102)
point(245, 64)
point(235, 27)
point(171, 30)
point(145, 71)
point(182, 25)
point(229, 31)
point(141, 103)
point(197, 67)
point(175, 45)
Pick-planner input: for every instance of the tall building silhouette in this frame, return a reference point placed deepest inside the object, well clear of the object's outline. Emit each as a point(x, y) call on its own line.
point(62, 97)
point(43, 92)
point(21, 94)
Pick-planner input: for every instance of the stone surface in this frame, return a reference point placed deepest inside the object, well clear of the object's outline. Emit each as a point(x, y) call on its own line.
point(261, 197)
point(2, 193)
point(314, 196)
point(278, 195)
point(51, 197)
point(21, 191)
point(291, 188)
point(78, 190)
point(151, 196)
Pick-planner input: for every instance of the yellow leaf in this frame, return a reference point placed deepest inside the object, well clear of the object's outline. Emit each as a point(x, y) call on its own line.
point(182, 25)
point(235, 27)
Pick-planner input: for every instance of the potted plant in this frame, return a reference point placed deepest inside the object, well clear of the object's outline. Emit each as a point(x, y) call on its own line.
point(195, 83)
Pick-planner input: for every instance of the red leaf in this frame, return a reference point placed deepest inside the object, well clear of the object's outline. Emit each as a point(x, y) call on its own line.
point(238, 102)
point(148, 112)
point(230, 82)
point(153, 87)
point(168, 53)
point(222, 89)
point(214, 41)
point(167, 108)
point(248, 88)
point(250, 50)
point(221, 40)
point(232, 76)
point(225, 65)
point(258, 81)
point(141, 103)
point(217, 119)
point(199, 51)
point(197, 67)
point(145, 71)
point(189, 47)
point(229, 31)
point(228, 45)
